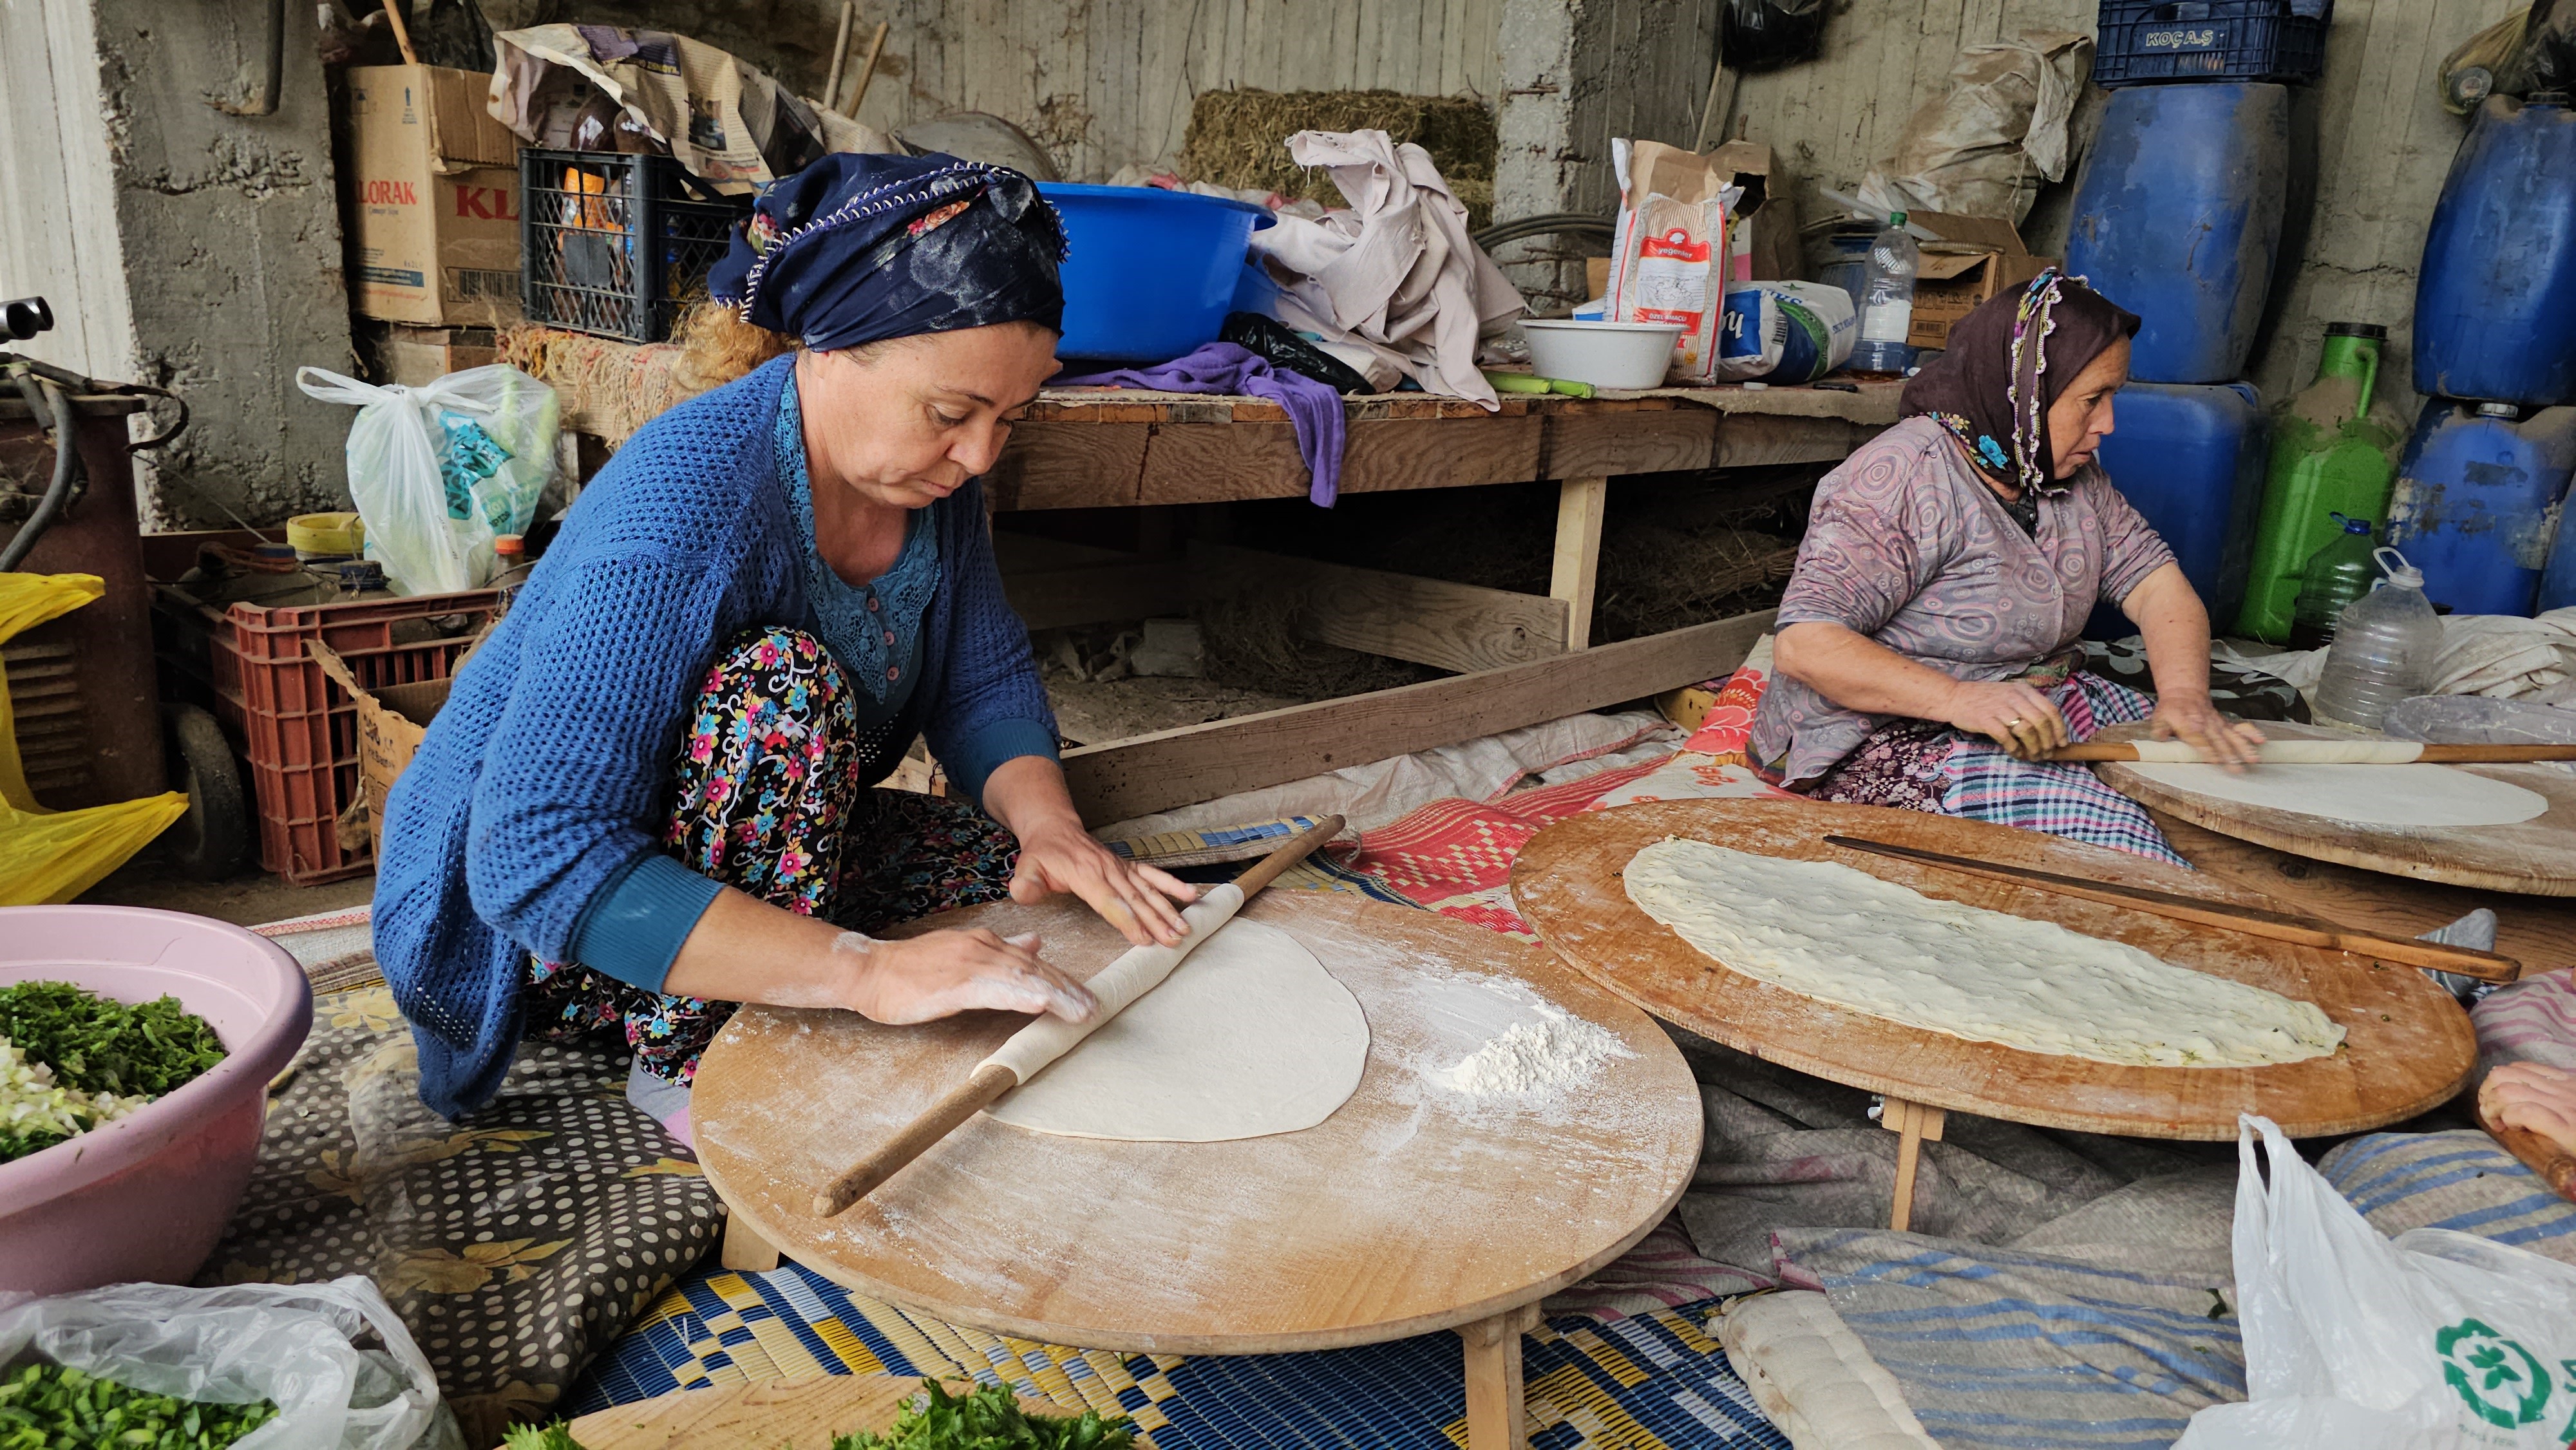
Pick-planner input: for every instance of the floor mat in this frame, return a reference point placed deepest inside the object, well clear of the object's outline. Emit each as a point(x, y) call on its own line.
point(1638, 1383)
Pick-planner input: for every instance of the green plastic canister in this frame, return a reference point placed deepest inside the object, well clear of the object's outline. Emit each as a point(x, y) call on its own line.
point(2334, 449)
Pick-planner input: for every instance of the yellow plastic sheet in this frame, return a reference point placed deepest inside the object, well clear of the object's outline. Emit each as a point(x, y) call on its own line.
point(48, 856)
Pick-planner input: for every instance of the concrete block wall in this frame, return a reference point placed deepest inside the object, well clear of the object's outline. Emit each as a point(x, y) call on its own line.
point(182, 245)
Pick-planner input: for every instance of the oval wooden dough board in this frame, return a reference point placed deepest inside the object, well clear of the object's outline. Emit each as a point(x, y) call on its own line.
point(2409, 1046)
point(2536, 857)
point(1412, 1208)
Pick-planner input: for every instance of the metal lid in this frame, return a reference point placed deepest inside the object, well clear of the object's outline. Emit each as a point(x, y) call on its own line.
point(2498, 410)
point(2372, 330)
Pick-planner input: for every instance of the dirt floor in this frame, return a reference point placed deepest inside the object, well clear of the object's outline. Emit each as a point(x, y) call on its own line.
point(1093, 712)
point(250, 899)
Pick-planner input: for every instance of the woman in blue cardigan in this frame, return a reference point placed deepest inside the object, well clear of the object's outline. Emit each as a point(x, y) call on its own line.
point(648, 797)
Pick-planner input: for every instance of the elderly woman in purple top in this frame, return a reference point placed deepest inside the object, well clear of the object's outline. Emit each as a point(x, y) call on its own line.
point(1927, 642)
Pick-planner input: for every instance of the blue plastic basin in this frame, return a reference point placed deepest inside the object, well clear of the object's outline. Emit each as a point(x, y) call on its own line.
point(1149, 273)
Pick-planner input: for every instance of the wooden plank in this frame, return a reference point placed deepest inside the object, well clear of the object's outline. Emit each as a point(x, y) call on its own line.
point(1055, 598)
point(1171, 768)
point(809, 1412)
point(1462, 627)
point(1069, 465)
point(1576, 568)
point(1205, 464)
point(1581, 444)
point(1752, 440)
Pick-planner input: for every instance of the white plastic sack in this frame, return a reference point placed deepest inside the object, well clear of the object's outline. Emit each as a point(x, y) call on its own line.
point(2434, 1341)
point(295, 1344)
point(438, 472)
point(1788, 332)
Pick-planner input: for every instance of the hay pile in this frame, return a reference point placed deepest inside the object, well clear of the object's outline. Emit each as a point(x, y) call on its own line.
point(1240, 139)
point(608, 388)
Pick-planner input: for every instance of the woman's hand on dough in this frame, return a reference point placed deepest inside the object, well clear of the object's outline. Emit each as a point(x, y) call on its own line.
point(942, 973)
point(2012, 713)
point(2194, 721)
point(1143, 903)
point(2533, 1096)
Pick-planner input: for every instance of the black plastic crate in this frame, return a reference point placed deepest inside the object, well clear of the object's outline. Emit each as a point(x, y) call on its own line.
point(615, 244)
point(2145, 41)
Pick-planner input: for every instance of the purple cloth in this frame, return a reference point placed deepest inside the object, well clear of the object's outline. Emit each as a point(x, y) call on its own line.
point(1223, 367)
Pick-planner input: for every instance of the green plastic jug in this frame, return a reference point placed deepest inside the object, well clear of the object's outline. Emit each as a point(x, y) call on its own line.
point(2334, 449)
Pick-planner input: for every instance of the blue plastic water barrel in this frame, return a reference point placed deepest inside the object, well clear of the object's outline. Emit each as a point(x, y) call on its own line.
point(2476, 505)
point(1148, 273)
point(2190, 457)
point(2495, 302)
point(2178, 217)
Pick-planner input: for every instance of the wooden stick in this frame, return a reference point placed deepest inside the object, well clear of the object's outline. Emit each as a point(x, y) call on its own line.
point(2544, 1157)
point(990, 1080)
point(2253, 921)
point(840, 54)
point(2430, 755)
point(402, 32)
point(867, 71)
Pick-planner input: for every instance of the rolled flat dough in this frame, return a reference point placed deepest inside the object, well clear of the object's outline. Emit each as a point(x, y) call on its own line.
point(1247, 1037)
point(2369, 795)
point(1846, 937)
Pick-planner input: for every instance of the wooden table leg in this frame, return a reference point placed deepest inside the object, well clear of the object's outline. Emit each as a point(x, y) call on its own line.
point(1578, 554)
point(1494, 1411)
point(744, 1248)
point(1914, 1124)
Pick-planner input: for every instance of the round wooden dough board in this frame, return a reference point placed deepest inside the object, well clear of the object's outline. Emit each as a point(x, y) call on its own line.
point(1412, 1208)
point(2536, 857)
point(2408, 1046)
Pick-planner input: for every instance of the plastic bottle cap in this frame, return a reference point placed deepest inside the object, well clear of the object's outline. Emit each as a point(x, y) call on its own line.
point(2400, 573)
point(2498, 410)
point(2376, 332)
point(1896, 218)
point(2357, 526)
point(509, 544)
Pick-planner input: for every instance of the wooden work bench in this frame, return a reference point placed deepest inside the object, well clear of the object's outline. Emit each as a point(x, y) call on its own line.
point(1520, 659)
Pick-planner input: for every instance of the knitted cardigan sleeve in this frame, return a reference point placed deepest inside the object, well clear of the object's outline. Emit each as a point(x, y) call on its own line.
point(991, 706)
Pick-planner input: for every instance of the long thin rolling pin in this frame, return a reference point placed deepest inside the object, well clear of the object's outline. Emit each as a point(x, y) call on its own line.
point(2322, 752)
point(2251, 920)
point(991, 1079)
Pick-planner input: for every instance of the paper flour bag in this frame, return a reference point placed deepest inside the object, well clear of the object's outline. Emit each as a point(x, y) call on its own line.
point(1669, 260)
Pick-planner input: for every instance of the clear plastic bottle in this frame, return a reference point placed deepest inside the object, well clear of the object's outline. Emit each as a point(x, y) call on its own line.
point(2383, 648)
point(2332, 578)
point(1887, 301)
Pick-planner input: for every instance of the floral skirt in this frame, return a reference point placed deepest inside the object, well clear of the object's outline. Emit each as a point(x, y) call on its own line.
point(767, 799)
point(1924, 765)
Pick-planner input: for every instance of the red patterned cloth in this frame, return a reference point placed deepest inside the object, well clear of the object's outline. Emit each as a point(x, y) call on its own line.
point(1455, 856)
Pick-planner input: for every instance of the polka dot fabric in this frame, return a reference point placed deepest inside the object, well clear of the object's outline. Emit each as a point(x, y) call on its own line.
point(515, 1244)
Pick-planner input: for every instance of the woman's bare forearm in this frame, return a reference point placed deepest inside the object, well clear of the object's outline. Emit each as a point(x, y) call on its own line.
point(746, 950)
point(1859, 673)
point(2175, 626)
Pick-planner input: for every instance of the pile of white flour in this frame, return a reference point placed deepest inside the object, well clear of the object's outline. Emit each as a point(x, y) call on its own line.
point(1554, 1052)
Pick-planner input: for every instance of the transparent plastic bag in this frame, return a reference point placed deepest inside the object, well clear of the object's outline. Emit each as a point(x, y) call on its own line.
point(50, 856)
point(2434, 1340)
point(298, 1345)
point(437, 472)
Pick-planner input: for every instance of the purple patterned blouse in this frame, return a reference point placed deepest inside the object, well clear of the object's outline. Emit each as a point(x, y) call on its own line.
point(1907, 546)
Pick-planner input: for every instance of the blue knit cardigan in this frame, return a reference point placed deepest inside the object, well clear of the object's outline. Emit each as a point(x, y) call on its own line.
point(547, 772)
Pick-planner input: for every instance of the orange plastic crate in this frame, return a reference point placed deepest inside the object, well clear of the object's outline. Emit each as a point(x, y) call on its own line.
point(299, 729)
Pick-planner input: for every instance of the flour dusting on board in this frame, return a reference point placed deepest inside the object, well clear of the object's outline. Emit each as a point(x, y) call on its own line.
point(1554, 1052)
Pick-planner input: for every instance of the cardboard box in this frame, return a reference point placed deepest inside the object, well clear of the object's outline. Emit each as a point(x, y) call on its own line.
point(398, 352)
point(1976, 258)
point(433, 201)
point(391, 722)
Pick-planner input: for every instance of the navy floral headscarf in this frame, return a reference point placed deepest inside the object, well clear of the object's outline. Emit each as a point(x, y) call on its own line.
point(2006, 363)
point(858, 248)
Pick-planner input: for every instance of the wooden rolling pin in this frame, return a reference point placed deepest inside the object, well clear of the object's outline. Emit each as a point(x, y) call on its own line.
point(2251, 920)
point(2322, 752)
point(1048, 1038)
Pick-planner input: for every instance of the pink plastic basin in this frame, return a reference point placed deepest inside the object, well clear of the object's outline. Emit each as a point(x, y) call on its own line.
point(146, 1196)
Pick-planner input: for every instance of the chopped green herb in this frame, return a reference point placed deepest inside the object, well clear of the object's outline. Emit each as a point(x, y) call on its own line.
point(556, 1436)
point(36, 1112)
point(47, 1407)
point(988, 1419)
point(95, 1044)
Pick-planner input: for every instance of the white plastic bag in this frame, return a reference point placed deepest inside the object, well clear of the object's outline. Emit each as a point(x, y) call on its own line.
point(2433, 1341)
point(437, 472)
point(1788, 332)
point(295, 1344)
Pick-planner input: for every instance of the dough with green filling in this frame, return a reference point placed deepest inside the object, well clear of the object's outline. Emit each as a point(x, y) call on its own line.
point(1843, 936)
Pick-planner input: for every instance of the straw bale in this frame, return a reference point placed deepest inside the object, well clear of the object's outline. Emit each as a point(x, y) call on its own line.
point(1239, 138)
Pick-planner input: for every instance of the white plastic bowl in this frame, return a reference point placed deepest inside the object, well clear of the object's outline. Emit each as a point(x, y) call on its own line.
point(1604, 354)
